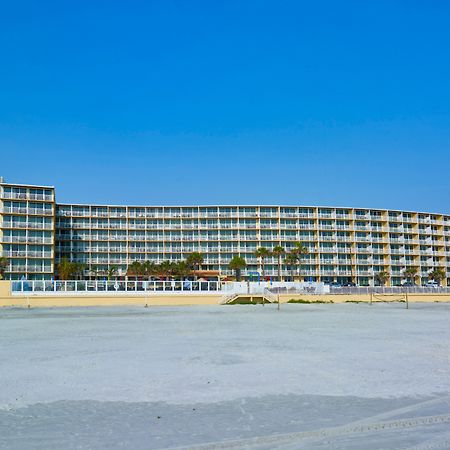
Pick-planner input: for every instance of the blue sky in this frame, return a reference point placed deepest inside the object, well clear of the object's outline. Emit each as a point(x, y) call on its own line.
point(200, 102)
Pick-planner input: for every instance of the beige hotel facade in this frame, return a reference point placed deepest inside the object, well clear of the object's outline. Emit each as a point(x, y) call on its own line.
point(344, 244)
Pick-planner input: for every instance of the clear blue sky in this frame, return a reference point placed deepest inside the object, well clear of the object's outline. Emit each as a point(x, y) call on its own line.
point(205, 102)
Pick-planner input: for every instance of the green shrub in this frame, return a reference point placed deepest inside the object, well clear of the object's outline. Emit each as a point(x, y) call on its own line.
point(307, 302)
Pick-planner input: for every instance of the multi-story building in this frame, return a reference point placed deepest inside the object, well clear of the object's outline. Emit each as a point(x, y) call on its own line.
point(344, 244)
point(27, 230)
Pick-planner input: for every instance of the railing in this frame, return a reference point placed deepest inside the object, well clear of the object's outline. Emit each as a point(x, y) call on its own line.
point(29, 269)
point(390, 290)
point(32, 225)
point(27, 196)
point(113, 287)
point(273, 298)
point(25, 239)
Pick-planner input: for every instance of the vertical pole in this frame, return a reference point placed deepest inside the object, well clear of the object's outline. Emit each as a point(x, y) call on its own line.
point(407, 303)
point(370, 301)
point(278, 302)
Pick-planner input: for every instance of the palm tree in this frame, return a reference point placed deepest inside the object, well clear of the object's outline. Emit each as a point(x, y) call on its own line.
point(382, 277)
point(278, 252)
point(195, 260)
point(437, 275)
point(410, 274)
point(94, 272)
point(262, 253)
point(65, 269)
point(3, 266)
point(181, 269)
point(111, 272)
point(299, 250)
point(78, 269)
point(69, 269)
point(149, 269)
point(165, 269)
point(291, 260)
point(237, 264)
point(135, 269)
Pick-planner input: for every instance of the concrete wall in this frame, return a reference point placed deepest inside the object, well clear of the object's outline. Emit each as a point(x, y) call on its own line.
point(112, 300)
point(5, 289)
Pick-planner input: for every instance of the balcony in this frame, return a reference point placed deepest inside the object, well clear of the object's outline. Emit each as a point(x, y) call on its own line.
point(344, 273)
point(27, 196)
point(364, 272)
point(327, 261)
point(326, 216)
point(328, 272)
point(29, 225)
point(268, 215)
point(29, 269)
point(343, 216)
point(268, 226)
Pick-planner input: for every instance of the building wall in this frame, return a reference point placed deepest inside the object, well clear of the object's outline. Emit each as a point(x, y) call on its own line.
point(345, 244)
point(27, 236)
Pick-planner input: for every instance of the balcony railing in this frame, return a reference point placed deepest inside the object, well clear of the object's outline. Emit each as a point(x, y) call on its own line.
point(26, 253)
point(31, 211)
point(26, 196)
point(30, 225)
point(29, 269)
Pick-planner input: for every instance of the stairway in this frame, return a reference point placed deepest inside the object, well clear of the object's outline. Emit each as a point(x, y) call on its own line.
point(245, 298)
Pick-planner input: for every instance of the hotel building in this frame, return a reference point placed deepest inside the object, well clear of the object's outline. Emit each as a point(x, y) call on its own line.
point(344, 244)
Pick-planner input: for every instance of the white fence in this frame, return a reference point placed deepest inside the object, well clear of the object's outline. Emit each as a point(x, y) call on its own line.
point(113, 287)
point(390, 290)
point(284, 287)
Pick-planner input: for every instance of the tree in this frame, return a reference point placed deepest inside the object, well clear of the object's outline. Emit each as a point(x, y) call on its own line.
point(165, 269)
point(381, 277)
point(3, 266)
point(69, 269)
point(111, 272)
point(278, 252)
point(237, 264)
point(78, 269)
point(149, 269)
point(94, 272)
point(181, 269)
point(135, 269)
point(194, 260)
point(291, 261)
point(410, 274)
point(262, 253)
point(299, 250)
point(437, 275)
